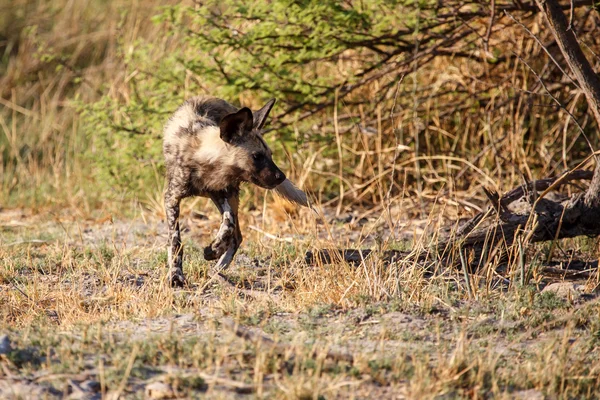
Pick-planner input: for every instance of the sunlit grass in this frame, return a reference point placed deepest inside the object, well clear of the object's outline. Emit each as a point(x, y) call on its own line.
point(83, 294)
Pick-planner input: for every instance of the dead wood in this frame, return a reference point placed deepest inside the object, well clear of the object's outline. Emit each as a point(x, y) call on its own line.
point(535, 217)
point(553, 219)
point(574, 270)
point(542, 184)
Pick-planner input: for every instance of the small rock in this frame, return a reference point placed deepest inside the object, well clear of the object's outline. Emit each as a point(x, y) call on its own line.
point(5, 347)
point(53, 315)
point(198, 215)
point(159, 390)
point(21, 390)
point(86, 390)
point(530, 394)
point(343, 218)
point(564, 289)
point(84, 396)
point(90, 386)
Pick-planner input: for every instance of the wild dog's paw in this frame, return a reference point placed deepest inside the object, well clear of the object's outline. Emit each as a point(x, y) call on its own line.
point(209, 253)
point(224, 239)
point(217, 247)
point(176, 278)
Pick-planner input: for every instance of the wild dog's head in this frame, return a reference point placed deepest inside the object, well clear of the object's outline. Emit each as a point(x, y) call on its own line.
point(243, 129)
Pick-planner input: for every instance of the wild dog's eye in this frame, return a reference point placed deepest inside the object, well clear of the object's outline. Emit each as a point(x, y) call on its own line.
point(257, 156)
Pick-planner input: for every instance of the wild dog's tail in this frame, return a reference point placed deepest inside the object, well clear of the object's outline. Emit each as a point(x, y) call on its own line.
point(289, 191)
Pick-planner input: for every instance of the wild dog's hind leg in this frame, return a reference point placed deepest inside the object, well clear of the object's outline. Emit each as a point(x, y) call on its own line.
point(175, 249)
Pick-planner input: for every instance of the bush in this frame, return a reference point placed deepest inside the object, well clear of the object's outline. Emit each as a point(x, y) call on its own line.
point(459, 94)
point(251, 51)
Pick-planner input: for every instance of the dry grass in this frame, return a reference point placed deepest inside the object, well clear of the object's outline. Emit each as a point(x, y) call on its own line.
point(82, 290)
point(56, 53)
point(86, 301)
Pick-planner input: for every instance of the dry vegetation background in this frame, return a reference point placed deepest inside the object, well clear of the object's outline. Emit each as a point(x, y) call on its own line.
point(394, 120)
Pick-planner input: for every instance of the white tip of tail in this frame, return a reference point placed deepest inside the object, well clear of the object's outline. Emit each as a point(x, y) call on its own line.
point(290, 192)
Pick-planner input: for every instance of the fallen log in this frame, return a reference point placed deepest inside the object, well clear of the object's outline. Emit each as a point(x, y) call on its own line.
point(536, 218)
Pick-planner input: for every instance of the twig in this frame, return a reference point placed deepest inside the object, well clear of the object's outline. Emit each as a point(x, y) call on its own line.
point(509, 15)
point(20, 291)
point(521, 261)
point(125, 377)
point(490, 26)
point(466, 273)
point(270, 235)
point(562, 107)
point(396, 150)
point(338, 141)
point(571, 16)
point(589, 82)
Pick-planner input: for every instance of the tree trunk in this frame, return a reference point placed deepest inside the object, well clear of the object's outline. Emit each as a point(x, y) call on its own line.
point(585, 75)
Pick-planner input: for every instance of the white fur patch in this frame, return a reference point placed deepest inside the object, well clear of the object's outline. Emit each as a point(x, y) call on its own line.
point(183, 117)
point(211, 146)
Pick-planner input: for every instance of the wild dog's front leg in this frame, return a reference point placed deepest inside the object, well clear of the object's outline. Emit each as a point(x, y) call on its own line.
point(226, 231)
point(175, 249)
point(236, 241)
point(231, 229)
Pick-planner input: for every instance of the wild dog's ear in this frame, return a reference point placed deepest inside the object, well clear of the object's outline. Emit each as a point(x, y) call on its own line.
point(234, 125)
point(260, 116)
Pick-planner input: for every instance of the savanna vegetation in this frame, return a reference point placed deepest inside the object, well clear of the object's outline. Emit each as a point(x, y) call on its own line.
point(402, 119)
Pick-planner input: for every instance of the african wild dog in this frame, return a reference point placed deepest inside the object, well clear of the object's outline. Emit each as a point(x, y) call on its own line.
point(210, 148)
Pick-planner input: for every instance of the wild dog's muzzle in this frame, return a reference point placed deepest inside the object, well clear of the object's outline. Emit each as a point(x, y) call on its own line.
point(270, 176)
point(275, 179)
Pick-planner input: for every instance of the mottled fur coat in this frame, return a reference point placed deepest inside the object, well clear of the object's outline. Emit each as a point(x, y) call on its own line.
point(210, 148)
